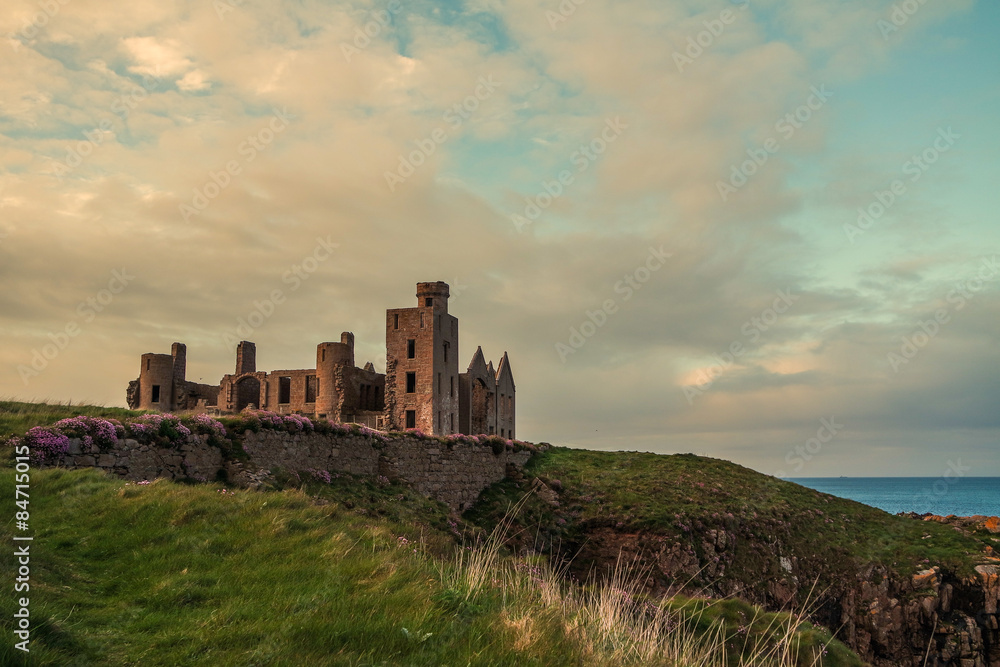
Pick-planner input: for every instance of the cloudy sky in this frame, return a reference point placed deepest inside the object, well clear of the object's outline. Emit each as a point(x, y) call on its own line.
point(761, 231)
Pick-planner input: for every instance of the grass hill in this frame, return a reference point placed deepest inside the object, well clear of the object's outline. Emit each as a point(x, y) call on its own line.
point(355, 573)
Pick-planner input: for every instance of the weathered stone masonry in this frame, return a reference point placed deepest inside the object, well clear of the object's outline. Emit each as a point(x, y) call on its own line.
point(454, 473)
point(421, 388)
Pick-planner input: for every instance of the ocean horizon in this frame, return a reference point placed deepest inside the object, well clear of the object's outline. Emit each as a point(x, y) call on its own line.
point(961, 496)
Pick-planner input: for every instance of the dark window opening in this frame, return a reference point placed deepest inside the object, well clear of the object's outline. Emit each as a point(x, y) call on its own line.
point(147, 364)
point(438, 427)
point(284, 390)
point(451, 421)
point(411, 419)
point(396, 318)
point(428, 302)
point(312, 388)
point(156, 393)
point(446, 352)
point(421, 320)
point(323, 354)
point(411, 349)
point(411, 383)
point(452, 394)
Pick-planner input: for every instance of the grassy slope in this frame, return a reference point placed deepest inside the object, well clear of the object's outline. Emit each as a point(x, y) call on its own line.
point(170, 574)
point(675, 496)
point(17, 417)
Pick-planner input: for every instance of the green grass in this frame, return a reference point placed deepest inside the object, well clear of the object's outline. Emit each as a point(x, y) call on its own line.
point(173, 574)
point(17, 417)
point(168, 574)
point(680, 498)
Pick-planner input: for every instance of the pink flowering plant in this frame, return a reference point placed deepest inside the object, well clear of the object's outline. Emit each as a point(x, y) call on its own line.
point(46, 444)
point(257, 420)
point(92, 430)
point(160, 429)
point(205, 425)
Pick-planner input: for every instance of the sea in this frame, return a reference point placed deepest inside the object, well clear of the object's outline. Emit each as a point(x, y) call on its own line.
point(962, 496)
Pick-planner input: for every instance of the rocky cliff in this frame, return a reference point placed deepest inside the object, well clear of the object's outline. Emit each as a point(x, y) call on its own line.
point(897, 590)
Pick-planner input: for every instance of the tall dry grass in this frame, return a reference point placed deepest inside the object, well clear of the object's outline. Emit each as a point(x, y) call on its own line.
point(615, 622)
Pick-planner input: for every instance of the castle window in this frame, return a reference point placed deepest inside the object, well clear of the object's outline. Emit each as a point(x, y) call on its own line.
point(421, 320)
point(147, 364)
point(446, 352)
point(323, 354)
point(451, 421)
point(411, 419)
point(284, 390)
point(396, 320)
point(312, 388)
point(428, 302)
point(156, 393)
point(452, 394)
point(411, 382)
point(411, 349)
point(438, 427)
point(439, 383)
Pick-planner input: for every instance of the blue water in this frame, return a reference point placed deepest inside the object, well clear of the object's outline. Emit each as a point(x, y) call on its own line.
point(963, 496)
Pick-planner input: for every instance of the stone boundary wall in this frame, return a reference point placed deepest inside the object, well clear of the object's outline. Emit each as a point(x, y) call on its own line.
point(453, 473)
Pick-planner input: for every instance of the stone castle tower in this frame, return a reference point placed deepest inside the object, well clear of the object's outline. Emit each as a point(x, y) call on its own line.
point(421, 364)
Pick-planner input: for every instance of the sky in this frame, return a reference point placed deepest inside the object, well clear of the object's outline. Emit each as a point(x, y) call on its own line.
point(759, 231)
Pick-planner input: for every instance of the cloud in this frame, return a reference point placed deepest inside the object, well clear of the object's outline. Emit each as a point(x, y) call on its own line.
point(113, 118)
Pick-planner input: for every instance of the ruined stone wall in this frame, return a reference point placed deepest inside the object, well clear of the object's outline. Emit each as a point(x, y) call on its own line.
point(454, 473)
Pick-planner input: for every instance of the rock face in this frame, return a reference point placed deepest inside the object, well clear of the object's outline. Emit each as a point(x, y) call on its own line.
point(887, 621)
point(454, 473)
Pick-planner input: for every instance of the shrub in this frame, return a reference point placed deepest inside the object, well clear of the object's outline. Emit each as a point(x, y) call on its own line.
point(92, 430)
point(163, 429)
point(205, 425)
point(46, 444)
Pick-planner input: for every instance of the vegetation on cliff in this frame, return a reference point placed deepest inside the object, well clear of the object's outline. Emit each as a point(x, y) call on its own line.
point(350, 572)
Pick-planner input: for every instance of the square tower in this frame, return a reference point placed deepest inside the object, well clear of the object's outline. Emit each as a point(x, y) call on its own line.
point(421, 365)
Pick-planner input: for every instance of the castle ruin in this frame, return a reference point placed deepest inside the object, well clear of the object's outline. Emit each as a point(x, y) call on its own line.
point(421, 388)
